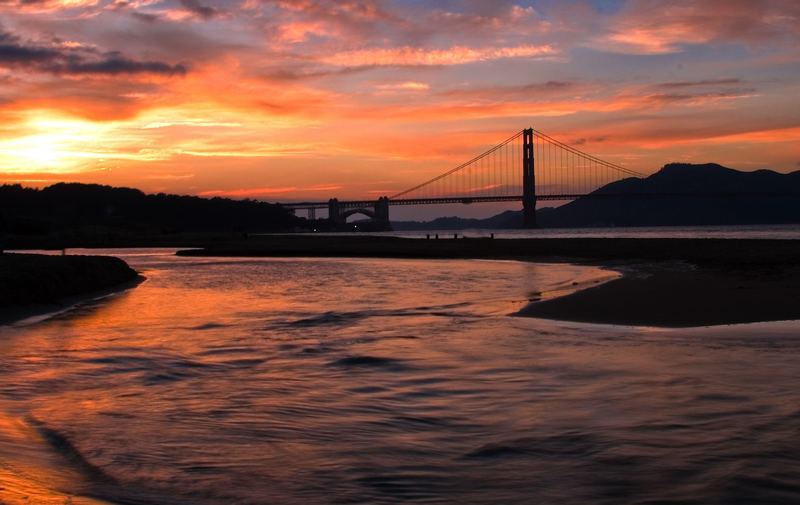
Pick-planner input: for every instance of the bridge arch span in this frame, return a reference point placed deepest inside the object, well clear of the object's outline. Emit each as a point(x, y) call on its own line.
point(351, 212)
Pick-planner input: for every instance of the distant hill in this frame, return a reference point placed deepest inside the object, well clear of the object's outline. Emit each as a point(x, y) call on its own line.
point(504, 220)
point(67, 209)
point(721, 199)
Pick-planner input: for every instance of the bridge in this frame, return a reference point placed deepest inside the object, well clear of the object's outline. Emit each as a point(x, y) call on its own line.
point(527, 167)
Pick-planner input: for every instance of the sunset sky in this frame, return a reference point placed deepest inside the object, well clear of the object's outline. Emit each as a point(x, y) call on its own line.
point(303, 99)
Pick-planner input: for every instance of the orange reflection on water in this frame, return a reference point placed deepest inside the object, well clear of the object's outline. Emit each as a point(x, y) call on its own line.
point(36, 475)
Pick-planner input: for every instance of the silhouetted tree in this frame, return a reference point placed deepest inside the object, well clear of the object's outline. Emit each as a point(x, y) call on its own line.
point(70, 206)
point(2, 233)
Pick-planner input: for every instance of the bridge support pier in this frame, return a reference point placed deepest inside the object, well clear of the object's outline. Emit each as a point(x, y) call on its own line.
point(338, 212)
point(382, 212)
point(528, 181)
point(334, 213)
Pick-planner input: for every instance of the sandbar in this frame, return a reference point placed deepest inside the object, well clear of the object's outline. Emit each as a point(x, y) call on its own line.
point(665, 282)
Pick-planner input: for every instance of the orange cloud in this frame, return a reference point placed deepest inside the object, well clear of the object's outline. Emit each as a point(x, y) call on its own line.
point(655, 40)
point(247, 192)
point(299, 32)
point(42, 6)
point(404, 86)
point(262, 192)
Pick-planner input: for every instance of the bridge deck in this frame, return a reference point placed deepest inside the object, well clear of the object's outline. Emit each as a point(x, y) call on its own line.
point(357, 204)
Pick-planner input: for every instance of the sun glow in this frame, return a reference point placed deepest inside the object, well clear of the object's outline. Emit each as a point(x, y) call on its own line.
point(52, 144)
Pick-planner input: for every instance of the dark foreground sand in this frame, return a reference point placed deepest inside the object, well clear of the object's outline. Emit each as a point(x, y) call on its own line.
point(676, 296)
point(667, 282)
point(33, 283)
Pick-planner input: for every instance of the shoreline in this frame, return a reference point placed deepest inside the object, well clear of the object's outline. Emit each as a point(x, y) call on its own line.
point(664, 282)
point(667, 283)
point(674, 296)
point(707, 252)
point(38, 285)
point(33, 313)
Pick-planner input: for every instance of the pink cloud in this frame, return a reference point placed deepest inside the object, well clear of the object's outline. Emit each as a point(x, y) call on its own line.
point(664, 26)
point(457, 55)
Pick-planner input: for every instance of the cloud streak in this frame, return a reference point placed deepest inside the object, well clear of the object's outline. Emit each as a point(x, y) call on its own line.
point(412, 56)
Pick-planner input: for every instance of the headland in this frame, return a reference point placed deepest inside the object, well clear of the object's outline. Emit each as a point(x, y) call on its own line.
point(35, 283)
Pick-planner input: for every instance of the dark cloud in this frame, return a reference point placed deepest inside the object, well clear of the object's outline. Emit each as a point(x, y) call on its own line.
point(706, 82)
point(550, 86)
point(665, 98)
point(583, 140)
point(76, 60)
point(202, 11)
point(532, 90)
point(677, 92)
point(146, 17)
point(114, 63)
point(13, 53)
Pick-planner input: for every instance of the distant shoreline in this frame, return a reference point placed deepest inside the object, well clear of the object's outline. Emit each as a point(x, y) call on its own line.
point(676, 283)
point(723, 253)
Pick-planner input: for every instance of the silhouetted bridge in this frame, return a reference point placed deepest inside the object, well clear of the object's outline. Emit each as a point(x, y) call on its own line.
point(528, 167)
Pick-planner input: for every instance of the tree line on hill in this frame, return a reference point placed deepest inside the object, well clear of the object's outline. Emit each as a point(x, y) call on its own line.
point(72, 208)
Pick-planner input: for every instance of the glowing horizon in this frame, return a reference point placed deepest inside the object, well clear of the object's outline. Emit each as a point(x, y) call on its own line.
point(303, 99)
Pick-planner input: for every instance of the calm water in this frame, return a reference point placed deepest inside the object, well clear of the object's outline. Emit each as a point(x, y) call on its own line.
point(387, 381)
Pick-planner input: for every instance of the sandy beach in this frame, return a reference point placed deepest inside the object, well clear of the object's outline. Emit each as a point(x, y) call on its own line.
point(681, 295)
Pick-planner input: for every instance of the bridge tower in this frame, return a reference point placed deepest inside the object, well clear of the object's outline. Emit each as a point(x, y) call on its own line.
point(382, 212)
point(528, 180)
point(334, 213)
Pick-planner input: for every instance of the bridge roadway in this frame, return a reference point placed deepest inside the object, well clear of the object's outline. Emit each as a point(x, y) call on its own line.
point(357, 204)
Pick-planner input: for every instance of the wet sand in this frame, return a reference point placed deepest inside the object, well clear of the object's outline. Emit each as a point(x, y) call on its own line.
point(677, 295)
point(666, 282)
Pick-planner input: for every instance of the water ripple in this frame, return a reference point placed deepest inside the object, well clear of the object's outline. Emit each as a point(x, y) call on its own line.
point(390, 381)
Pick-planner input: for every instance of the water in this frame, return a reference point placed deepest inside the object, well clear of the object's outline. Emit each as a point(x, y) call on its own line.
point(295, 381)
